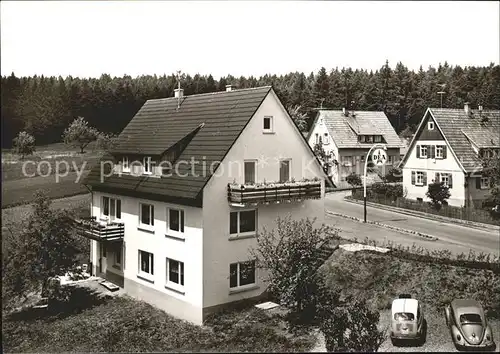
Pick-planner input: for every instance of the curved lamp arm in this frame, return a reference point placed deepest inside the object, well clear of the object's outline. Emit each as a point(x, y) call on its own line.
point(383, 146)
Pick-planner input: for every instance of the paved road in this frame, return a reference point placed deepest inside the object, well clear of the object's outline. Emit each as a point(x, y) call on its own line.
point(457, 238)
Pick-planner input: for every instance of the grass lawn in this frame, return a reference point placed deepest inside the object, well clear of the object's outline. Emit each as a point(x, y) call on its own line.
point(123, 324)
point(54, 154)
point(18, 187)
point(21, 191)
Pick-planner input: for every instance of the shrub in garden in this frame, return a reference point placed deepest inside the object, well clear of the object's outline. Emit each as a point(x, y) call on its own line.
point(354, 179)
point(351, 327)
point(387, 191)
point(393, 175)
point(438, 193)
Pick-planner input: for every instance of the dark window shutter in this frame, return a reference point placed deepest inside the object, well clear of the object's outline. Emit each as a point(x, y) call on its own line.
point(425, 178)
point(478, 182)
point(432, 151)
point(429, 151)
point(437, 178)
point(450, 180)
point(418, 151)
point(413, 176)
point(444, 151)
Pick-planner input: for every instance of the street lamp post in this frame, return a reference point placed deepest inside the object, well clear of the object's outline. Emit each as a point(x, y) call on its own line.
point(384, 157)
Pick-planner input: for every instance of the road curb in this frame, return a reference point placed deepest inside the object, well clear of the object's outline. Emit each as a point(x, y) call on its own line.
point(423, 215)
point(390, 227)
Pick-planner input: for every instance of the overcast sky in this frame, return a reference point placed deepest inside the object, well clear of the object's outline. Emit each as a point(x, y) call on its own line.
point(241, 38)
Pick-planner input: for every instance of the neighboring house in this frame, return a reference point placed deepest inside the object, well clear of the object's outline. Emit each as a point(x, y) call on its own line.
point(404, 149)
point(347, 136)
point(448, 147)
point(173, 223)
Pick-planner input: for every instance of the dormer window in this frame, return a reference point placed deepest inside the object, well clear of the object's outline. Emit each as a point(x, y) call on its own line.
point(361, 138)
point(378, 138)
point(125, 165)
point(147, 165)
point(430, 126)
point(369, 139)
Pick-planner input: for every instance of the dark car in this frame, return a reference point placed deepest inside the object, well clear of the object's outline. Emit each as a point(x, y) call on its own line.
point(468, 326)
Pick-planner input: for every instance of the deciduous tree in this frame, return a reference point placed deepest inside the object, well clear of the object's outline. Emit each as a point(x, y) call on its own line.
point(24, 144)
point(80, 134)
point(299, 117)
point(46, 247)
point(290, 256)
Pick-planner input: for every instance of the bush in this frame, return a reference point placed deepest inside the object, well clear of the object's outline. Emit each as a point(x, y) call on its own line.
point(354, 179)
point(394, 175)
point(352, 327)
point(386, 190)
point(438, 193)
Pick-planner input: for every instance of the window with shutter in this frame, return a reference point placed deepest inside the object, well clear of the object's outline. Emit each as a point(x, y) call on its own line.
point(439, 152)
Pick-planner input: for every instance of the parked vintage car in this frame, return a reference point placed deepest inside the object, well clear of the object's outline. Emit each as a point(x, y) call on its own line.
point(468, 326)
point(408, 322)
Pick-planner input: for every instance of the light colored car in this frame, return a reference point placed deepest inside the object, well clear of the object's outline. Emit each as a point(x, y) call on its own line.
point(407, 322)
point(468, 326)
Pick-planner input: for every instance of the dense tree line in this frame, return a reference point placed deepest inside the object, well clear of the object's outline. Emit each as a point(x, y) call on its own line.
point(44, 106)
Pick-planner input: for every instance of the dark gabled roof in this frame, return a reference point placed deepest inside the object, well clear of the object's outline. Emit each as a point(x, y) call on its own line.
point(458, 127)
point(159, 125)
point(345, 130)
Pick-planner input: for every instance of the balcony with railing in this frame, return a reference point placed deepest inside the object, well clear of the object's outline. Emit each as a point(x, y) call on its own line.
point(243, 195)
point(100, 231)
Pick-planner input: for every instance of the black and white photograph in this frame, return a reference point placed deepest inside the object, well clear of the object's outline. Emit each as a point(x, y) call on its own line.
point(250, 176)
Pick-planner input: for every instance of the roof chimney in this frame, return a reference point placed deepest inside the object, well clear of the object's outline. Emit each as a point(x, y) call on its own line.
point(179, 92)
point(466, 108)
point(229, 88)
point(345, 112)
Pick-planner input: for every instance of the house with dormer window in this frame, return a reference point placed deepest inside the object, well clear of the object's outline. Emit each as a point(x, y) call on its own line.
point(179, 201)
point(346, 136)
point(449, 146)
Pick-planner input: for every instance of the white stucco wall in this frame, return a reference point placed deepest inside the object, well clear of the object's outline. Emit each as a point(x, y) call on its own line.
point(189, 251)
point(431, 166)
point(218, 251)
point(321, 129)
